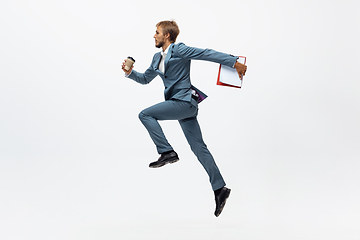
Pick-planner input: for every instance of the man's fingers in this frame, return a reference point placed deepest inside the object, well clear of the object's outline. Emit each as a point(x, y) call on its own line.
point(245, 70)
point(241, 69)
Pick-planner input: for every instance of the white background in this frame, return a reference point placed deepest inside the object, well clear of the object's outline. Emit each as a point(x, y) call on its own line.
point(74, 156)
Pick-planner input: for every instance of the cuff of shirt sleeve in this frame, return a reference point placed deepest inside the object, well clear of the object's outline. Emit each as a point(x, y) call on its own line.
point(127, 75)
point(235, 62)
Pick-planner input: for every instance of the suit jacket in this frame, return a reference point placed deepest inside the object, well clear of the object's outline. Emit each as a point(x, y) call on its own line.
point(176, 77)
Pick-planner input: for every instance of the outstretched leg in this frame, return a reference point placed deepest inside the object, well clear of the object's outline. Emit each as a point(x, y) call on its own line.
point(191, 129)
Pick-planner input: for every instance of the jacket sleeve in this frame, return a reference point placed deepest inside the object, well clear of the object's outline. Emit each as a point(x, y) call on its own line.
point(204, 54)
point(143, 78)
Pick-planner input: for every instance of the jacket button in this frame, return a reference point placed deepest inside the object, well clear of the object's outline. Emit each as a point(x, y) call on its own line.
point(165, 76)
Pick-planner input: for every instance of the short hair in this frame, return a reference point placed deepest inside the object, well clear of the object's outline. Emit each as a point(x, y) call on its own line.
point(170, 27)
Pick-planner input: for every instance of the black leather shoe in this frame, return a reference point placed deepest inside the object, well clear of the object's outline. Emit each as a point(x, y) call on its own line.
point(220, 200)
point(165, 158)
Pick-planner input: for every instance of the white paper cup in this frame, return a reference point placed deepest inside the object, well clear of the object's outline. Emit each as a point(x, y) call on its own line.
point(128, 63)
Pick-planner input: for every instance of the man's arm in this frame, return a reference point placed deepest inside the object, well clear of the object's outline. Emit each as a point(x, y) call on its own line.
point(205, 54)
point(210, 55)
point(142, 78)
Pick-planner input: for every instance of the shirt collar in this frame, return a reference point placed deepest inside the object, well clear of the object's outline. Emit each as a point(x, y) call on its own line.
point(164, 53)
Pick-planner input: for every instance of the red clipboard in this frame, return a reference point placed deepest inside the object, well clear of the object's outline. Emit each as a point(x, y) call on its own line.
point(220, 83)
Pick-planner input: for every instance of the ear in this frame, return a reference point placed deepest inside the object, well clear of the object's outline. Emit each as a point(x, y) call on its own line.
point(167, 36)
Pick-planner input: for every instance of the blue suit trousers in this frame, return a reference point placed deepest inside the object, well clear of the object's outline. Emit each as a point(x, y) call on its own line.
point(186, 114)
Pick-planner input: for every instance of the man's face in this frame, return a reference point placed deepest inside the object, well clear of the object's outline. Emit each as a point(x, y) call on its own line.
point(159, 38)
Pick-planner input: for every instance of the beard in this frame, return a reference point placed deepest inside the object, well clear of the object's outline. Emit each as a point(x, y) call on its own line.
point(159, 44)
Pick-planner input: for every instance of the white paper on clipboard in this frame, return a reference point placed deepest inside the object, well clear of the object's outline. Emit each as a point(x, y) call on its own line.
point(230, 76)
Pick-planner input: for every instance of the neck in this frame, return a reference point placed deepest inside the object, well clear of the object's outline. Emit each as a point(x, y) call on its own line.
point(165, 46)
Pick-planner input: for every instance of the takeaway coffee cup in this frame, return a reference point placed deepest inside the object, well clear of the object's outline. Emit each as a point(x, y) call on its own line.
point(128, 63)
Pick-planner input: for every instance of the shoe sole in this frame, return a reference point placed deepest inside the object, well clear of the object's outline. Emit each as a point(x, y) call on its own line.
point(223, 204)
point(174, 160)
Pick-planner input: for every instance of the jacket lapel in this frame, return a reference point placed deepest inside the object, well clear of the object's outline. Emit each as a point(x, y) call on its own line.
point(158, 59)
point(157, 62)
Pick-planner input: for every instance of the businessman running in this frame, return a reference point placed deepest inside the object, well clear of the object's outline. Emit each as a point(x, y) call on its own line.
point(172, 64)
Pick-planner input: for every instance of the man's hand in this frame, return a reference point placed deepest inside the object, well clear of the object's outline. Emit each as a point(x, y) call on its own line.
point(240, 68)
point(123, 68)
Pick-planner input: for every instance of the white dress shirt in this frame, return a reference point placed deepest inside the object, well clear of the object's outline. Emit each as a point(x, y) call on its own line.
point(162, 61)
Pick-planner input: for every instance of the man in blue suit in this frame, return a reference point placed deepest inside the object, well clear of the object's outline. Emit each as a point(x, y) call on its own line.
point(172, 64)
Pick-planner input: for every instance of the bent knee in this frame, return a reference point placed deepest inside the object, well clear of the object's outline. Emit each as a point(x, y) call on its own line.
point(141, 116)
